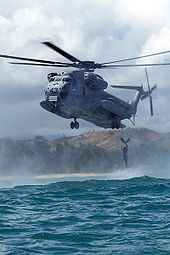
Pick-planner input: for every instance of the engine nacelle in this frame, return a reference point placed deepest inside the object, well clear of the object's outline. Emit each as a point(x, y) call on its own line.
point(95, 81)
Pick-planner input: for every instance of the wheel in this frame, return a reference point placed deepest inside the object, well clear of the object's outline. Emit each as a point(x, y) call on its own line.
point(76, 125)
point(72, 125)
point(117, 125)
point(113, 125)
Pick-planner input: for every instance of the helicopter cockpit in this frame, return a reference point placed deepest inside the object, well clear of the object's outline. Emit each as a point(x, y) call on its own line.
point(58, 77)
point(58, 86)
point(51, 76)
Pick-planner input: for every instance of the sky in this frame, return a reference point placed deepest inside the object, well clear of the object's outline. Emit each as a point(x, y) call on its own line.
point(99, 30)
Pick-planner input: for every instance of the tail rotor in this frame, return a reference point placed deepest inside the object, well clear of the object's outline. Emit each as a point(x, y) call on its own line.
point(149, 92)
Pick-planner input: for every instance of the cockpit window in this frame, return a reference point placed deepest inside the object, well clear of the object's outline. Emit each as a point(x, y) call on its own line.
point(66, 79)
point(51, 79)
point(51, 76)
point(58, 78)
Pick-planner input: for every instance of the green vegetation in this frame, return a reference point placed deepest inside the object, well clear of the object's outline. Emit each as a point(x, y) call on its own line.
point(98, 152)
point(39, 156)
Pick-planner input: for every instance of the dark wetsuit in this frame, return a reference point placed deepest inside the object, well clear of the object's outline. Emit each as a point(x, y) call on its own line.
point(125, 154)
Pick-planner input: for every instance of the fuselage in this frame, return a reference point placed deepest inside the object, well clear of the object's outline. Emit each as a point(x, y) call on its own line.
point(81, 94)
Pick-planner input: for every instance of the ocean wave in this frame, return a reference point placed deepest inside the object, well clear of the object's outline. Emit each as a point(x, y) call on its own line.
point(86, 216)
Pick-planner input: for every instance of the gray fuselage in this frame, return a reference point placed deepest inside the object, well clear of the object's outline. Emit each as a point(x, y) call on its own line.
point(81, 94)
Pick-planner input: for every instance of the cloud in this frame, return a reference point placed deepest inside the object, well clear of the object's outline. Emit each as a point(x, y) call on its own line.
point(100, 30)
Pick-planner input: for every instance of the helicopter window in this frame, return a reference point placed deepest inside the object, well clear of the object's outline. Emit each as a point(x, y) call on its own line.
point(57, 78)
point(67, 79)
point(51, 75)
point(51, 79)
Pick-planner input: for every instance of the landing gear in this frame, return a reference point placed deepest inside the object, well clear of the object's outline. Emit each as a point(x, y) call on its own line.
point(74, 124)
point(115, 124)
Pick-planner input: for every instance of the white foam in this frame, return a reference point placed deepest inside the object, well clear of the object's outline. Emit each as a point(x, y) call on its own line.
point(121, 174)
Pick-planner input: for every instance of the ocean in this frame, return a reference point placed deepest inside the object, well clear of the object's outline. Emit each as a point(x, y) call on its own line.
point(85, 215)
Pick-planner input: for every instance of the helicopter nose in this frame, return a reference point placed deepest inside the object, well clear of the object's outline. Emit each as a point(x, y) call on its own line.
point(55, 90)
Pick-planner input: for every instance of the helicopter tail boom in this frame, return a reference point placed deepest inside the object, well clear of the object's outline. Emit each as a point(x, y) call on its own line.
point(140, 94)
point(137, 97)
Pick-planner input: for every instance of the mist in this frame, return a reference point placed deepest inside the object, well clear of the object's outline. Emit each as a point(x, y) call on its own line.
point(87, 156)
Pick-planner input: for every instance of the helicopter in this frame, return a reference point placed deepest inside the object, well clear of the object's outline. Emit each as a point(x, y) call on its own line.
point(80, 94)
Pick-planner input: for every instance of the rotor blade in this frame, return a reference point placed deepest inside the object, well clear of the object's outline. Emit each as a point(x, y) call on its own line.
point(144, 56)
point(62, 52)
point(143, 65)
point(147, 94)
point(37, 64)
point(147, 78)
point(33, 59)
point(154, 87)
point(151, 105)
point(126, 87)
point(144, 96)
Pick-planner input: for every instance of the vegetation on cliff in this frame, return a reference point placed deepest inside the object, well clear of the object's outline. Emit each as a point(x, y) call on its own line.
point(88, 152)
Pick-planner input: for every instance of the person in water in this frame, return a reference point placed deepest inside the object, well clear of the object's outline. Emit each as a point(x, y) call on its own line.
point(125, 151)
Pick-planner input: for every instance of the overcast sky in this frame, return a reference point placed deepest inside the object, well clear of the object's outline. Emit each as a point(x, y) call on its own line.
point(99, 30)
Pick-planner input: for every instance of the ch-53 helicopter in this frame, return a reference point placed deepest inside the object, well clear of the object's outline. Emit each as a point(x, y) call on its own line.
point(81, 93)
